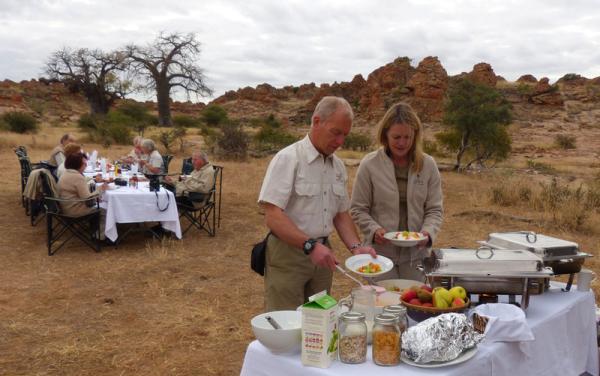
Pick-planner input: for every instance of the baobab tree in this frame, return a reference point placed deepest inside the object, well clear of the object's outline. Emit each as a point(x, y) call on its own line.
point(169, 63)
point(96, 74)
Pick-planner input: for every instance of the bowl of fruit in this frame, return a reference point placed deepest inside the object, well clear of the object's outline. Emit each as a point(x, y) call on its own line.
point(423, 302)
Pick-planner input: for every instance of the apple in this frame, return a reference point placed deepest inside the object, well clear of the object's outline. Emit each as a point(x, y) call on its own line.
point(424, 295)
point(458, 292)
point(458, 302)
point(428, 288)
point(408, 295)
point(427, 304)
point(415, 301)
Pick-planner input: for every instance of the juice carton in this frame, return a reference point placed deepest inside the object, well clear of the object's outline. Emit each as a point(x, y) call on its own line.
point(319, 331)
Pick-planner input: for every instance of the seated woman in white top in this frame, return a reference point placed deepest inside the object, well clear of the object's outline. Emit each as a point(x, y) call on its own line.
point(154, 164)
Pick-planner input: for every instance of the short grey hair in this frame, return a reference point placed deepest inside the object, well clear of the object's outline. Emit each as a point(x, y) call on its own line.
point(200, 154)
point(328, 105)
point(148, 144)
point(137, 140)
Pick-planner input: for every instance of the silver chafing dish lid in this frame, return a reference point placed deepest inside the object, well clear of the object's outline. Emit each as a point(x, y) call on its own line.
point(546, 246)
point(485, 262)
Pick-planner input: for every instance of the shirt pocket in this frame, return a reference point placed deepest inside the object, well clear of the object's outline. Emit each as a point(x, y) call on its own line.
point(308, 197)
point(339, 195)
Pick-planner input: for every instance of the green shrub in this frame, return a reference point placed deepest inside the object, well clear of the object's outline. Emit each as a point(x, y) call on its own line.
point(112, 128)
point(524, 88)
point(135, 115)
point(87, 121)
point(565, 141)
point(570, 77)
point(273, 139)
point(233, 142)
point(185, 121)
point(357, 141)
point(20, 122)
point(214, 115)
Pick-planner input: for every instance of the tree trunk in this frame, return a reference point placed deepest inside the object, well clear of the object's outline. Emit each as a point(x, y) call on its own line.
point(463, 147)
point(98, 103)
point(163, 99)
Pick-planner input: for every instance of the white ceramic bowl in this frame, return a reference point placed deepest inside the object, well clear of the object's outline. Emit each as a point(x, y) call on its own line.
point(284, 340)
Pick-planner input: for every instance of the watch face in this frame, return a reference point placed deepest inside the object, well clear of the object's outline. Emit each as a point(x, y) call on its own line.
point(307, 245)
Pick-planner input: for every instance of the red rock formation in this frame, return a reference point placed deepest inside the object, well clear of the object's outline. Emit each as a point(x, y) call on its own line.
point(428, 87)
point(527, 78)
point(483, 73)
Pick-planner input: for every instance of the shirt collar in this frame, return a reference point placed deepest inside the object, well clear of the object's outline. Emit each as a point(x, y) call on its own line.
point(312, 153)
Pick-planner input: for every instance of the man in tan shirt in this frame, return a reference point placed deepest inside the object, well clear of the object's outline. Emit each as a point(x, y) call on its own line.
point(304, 196)
point(201, 180)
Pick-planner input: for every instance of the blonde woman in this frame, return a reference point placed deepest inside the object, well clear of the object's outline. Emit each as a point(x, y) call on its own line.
point(398, 188)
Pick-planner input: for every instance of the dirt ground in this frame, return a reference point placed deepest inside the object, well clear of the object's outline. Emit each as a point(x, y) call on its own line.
point(175, 307)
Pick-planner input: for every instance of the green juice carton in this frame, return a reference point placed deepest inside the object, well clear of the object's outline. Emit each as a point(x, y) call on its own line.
point(319, 331)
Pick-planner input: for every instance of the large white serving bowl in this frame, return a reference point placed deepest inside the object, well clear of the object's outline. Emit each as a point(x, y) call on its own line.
point(284, 340)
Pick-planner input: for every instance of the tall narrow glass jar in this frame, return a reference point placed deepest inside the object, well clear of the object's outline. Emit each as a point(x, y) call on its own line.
point(386, 340)
point(353, 338)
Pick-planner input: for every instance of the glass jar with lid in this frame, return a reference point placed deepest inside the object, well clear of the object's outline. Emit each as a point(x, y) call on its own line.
point(386, 340)
point(353, 338)
point(400, 310)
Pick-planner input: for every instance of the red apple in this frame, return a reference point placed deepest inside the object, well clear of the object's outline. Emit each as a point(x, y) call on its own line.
point(428, 288)
point(415, 301)
point(427, 304)
point(458, 302)
point(409, 295)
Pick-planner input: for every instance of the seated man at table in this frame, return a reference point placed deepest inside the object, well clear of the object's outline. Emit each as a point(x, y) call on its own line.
point(136, 154)
point(73, 186)
point(57, 156)
point(154, 164)
point(200, 181)
point(69, 149)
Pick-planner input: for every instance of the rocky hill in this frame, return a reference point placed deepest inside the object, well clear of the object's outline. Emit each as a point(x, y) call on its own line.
point(572, 104)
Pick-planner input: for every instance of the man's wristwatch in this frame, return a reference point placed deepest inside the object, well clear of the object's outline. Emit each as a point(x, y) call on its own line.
point(308, 246)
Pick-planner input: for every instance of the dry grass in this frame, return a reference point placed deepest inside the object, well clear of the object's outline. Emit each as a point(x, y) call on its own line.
point(178, 307)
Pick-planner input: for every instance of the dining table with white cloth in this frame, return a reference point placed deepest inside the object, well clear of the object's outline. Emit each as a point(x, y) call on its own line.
point(126, 204)
point(563, 323)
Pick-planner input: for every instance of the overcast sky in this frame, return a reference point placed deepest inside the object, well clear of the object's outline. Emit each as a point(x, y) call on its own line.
point(245, 43)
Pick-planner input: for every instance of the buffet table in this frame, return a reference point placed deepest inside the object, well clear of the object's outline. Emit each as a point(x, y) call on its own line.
point(563, 323)
point(138, 205)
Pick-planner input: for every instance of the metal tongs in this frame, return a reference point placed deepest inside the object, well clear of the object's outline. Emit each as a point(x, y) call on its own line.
point(348, 275)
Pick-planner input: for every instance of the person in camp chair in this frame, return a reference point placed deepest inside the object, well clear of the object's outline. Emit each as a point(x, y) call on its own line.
point(200, 181)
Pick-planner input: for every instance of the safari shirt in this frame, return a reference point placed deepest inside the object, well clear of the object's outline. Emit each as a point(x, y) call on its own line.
point(200, 181)
point(308, 187)
point(154, 160)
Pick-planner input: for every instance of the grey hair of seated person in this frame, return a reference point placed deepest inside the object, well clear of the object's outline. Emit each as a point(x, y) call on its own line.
point(148, 144)
point(200, 154)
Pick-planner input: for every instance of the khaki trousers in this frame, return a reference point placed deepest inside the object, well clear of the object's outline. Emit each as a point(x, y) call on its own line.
point(290, 276)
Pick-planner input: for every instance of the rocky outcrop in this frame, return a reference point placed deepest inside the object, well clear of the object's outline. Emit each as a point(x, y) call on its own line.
point(483, 73)
point(428, 86)
point(527, 78)
point(546, 94)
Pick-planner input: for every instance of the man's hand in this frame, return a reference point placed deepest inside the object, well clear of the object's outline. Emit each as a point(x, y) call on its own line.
point(423, 243)
point(364, 250)
point(323, 257)
point(378, 236)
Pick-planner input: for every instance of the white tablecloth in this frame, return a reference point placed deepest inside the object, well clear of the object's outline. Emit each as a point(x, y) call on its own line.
point(564, 325)
point(131, 205)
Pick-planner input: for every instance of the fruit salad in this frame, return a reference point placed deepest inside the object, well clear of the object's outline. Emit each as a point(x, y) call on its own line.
point(369, 268)
point(408, 235)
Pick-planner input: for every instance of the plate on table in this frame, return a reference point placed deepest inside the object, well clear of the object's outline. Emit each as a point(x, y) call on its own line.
point(404, 238)
point(368, 266)
point(463, 357)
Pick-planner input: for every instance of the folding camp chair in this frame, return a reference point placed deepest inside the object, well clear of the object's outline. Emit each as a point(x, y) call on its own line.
point(166, 161)
point(203, 211)
point(60, 225)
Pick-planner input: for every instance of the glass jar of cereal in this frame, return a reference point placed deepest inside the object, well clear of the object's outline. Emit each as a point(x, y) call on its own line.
point(386, 340)
point(353, 338)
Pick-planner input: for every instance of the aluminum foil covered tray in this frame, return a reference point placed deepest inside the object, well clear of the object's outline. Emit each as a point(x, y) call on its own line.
point(439, 339)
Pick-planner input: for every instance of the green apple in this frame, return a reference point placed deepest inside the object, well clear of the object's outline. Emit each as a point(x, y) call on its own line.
point(458, 292)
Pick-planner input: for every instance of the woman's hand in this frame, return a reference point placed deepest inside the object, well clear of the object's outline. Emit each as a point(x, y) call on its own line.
point(378, 236)
point(423, 243)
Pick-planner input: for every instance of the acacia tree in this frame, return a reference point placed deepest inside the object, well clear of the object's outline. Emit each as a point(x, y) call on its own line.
point(476, 116)
point(94, 73)
point(166, 64)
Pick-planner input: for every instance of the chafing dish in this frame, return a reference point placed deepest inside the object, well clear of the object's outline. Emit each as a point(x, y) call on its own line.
point(561, 255)
point(489, 271)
